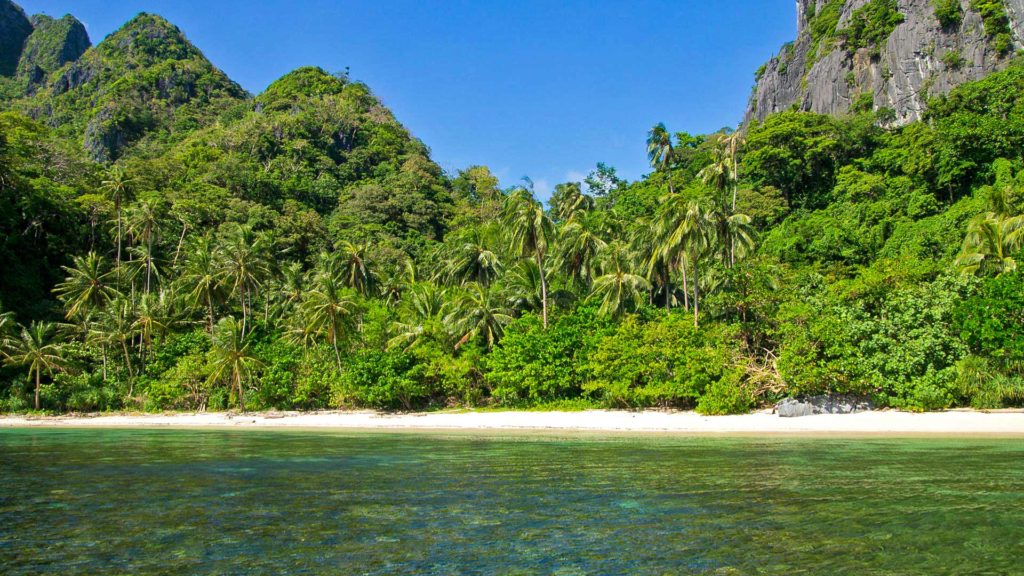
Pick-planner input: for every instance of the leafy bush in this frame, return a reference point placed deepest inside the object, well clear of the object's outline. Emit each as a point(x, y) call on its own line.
point(665, 362)
point(382, 379)
point(536, 365)
point(948, 12)
point(871, 25)
point(727, 395)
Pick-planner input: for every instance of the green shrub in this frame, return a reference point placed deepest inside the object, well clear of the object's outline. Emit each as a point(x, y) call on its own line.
point(871, 25)
point(948, 12)
point(727, 395)
point(533, 365)
point(383, 379)
point(665, 362)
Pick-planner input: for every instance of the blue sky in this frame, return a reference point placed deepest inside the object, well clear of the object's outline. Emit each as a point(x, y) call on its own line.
point(529, 88)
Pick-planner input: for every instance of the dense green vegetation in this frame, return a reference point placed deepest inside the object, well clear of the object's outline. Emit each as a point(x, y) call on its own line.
point(169, 242)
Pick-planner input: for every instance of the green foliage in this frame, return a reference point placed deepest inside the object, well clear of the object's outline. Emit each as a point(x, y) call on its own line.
point(535, 365)
point(665, 362)
point(948, 12)
point(377, 379)
point(953, 59)
point(871, 25)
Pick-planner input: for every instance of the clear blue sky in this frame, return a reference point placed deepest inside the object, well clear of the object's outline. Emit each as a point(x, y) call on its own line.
point(530, 87)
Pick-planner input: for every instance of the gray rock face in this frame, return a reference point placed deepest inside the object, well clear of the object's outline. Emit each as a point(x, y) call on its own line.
point(919, 59)
point(14, 30)
point(792, 408)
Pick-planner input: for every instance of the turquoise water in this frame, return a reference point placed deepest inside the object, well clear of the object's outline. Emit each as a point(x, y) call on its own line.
point(248, 502)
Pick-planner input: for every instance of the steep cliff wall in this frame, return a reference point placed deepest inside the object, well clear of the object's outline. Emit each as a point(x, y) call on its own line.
point(890, 54)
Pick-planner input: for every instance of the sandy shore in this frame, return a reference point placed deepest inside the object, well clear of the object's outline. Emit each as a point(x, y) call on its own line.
point(952, 423)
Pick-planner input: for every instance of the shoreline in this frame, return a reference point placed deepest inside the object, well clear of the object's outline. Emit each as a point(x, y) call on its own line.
point(869, 423)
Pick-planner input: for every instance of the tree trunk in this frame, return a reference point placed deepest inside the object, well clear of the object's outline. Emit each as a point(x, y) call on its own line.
point(543, 291)
point(668, 288)
point(696, 296)
point(209, 310)
point(37, 388)
point(181, 240)
point(118, 207)
point(241, 396)
point(686, 289)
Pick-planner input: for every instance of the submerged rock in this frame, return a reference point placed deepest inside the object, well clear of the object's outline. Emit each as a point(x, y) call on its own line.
point(793, 407)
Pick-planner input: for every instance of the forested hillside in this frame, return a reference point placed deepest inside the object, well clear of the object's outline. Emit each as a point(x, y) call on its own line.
point(169, 241)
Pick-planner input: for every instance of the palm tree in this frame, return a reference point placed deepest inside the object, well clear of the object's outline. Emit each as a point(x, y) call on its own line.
point(579, 245)
point(115, 329)
point(477, 315)
point(231, 357)
point(88, 286)
point(531, 233)
point(35, 347)
point(991, 241)
point(423, 311)
point(117, 187)
point(618, 287)
point(152, 318)
point(471, 258)
point(144, 227)
point(358, 274)
point(660, 152)
point(243, 264)
point(329, 307)
point(685, 230)
point(6, 330)
point(203, 278)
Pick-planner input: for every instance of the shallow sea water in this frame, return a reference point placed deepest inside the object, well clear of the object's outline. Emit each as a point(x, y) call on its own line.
point(297, 502)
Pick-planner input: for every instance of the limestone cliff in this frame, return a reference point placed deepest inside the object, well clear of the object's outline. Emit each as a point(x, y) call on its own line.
point(886, 54)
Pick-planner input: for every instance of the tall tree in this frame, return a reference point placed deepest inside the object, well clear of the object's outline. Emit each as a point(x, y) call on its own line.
point(117, 186)
point(660, 151)
point(991, 243)
point(36, 348)
point(88, 286)
point(231, 357)
point(618, 288)
point(531, 233)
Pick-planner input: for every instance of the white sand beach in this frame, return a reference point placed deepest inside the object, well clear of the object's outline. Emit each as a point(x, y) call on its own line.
point(887, 422)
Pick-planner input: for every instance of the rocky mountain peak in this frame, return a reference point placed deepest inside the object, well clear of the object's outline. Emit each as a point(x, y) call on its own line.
point(53, 43)
point(886, 54)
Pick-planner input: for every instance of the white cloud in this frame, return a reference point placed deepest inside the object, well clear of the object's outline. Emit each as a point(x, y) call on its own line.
point(575, 176)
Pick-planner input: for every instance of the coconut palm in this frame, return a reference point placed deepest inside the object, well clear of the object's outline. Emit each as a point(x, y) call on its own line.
point(115, 329)
point(471, 258)
point(423, 312)
point(660, 152)
point(231, 357)
point(203, 279)
point(242, 259)
point(329, 306)
point(117, 186)
point(35, 347)
point(477, 315)
point(685, 230)
point(531, 233)
point(990, 244)
point(88, 286)
point(618, 288)
point(579, 244)
point(143, 224)
point(358, 273)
